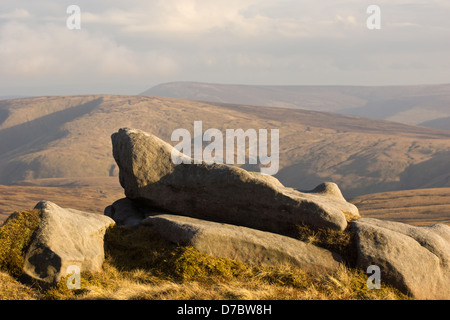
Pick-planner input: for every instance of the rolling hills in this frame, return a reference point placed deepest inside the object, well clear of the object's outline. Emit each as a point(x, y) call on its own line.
point(423, 105)
point(69, 137)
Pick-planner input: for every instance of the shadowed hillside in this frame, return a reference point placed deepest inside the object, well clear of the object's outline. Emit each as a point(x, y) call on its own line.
point(69, 136)
point(441, 123)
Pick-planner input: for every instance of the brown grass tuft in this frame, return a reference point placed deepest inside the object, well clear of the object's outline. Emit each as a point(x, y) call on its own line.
point(341, 242)
point(15, 236)
point(140, 265)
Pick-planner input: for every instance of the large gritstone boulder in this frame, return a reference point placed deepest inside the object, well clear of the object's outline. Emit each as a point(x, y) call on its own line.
point(218, 192)
point(242, 244)
point(416, 260)
point(65, 238)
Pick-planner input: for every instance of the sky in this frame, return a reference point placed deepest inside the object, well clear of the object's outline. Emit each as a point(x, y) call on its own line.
point(126, 47)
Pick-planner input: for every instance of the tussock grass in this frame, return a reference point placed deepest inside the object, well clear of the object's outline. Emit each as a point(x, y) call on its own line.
point(140, 265)
point(137, 248)
point(11, 289)
point(283, 283)
point(15, 235)
point(342, 242)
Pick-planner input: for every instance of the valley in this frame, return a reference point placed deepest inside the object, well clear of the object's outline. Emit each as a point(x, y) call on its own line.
point(61, 147)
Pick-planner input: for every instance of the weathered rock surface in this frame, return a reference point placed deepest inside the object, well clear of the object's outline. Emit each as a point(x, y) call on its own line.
point(414, 259)
point(219, 192)
point(63, 238)
point(241, 243)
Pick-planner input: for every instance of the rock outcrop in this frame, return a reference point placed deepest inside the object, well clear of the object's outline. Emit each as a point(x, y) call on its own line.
point(416, 260)
point(65, 237)
point(242, 244)
point(219, 192)
point(229, 212)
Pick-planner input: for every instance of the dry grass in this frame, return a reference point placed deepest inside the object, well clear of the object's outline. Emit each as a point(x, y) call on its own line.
point(11, 289)
point(96, 194)
point(341, 242)
point(140, 265)
point(15, 236)
point(417, 207)
point(274, 284)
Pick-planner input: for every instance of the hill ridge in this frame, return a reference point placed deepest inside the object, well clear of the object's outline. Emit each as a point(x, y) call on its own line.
point(362, 155)
point(411, 104)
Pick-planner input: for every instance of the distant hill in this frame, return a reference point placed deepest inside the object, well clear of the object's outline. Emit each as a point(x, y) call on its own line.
point(11, 97)
point(405, 104)
point(441, 123)
point(69, 137)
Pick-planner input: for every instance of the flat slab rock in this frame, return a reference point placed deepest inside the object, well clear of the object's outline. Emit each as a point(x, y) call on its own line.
point(219, 192)
point(65, 237)
point(241, 243)
point(414, 259)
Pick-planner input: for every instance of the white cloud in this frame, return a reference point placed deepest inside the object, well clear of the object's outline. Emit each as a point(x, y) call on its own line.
point(53, 51)
point(16, 15)
point(403, 25)
point(272, 41)
point(187, 17)
point(177, 19)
